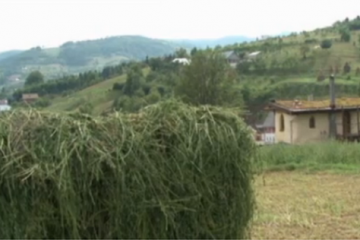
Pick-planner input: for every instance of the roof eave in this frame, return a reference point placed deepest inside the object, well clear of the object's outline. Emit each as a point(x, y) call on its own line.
point(312, 110)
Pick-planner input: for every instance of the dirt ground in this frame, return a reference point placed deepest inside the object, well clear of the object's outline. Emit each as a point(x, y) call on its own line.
point(294, 205)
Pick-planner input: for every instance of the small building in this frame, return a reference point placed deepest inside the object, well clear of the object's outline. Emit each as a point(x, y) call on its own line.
point(231, 57)
point(183, 61)
point(253, 55)
point(29, 97)
point(14, 78)
point(4, 106)
point(267, 129)
point(298, 122)
point(3, 102)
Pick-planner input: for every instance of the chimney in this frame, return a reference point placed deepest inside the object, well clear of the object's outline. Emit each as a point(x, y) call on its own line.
point(332, 122)
point(332, 91)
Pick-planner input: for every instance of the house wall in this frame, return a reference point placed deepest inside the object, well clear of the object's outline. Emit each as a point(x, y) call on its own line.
point(297, 129)
point(305, 134)
point(283, 136)
point(268, 138)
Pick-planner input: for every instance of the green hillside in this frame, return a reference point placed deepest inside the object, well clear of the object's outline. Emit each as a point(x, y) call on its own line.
point(99, 95)
point(10, 53)
point(75, 57)
point(294, 66)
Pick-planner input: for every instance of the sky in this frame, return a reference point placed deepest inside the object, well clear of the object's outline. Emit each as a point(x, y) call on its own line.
point(49, 23)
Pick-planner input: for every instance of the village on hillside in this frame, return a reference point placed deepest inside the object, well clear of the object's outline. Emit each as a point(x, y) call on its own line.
point(125, 136)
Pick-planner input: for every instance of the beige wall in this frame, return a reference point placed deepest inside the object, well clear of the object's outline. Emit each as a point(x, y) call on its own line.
point(284, 136)
point(304, 133)
point(298, 131)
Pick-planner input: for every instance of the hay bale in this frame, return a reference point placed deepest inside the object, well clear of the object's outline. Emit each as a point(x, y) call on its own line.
point(171, 171)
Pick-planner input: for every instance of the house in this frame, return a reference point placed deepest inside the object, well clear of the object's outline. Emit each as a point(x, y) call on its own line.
point(267, 129)
point(231, 57)
point(29, 97)
point(4, 106)
point(298, 122)
point(183, 61)
point(253, 55)
point(14, 78)
point(3, 102)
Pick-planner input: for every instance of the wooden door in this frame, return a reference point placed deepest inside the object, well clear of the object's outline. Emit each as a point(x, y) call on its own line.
point(346, 120)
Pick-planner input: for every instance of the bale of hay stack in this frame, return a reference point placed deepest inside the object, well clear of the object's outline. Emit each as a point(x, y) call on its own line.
point(171, 171)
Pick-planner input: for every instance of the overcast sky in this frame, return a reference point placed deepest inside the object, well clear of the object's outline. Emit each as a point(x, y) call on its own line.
point(28, 23)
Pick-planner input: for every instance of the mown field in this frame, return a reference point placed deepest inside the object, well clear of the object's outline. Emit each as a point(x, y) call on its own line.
point(308, 192)
point(298, 205)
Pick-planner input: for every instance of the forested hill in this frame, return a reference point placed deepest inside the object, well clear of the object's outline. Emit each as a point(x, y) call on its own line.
point(73, 57)
point(10, 53)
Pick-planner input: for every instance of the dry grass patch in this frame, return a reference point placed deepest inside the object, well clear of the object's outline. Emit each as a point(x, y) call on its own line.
point(307, 206)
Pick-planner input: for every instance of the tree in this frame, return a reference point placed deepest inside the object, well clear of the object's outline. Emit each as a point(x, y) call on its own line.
point(133, 81)
point(345, 35)
point(304, 49)
point(325, 44)
point(357, 73)
point(208, 80)
point(194, 50)
point(34, 78)
point(181, 53)
point(347, 68)
point(243, 67)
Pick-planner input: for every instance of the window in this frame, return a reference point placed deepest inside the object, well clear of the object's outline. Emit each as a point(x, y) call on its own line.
point(312, 122)
point(282, 123)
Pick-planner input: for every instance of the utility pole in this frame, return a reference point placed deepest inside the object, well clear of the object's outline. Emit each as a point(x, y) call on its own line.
point(332, 122)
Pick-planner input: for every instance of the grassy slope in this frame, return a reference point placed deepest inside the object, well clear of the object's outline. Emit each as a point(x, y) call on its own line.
point(99, 95)
point(338, 54)
point(341, 52)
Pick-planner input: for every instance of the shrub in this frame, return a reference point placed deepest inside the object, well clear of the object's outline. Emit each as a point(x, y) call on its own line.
point(325, 44)
point(118, 86)
point(310, 40)
point(172, 171)
point(86, 108)
point(346, 68)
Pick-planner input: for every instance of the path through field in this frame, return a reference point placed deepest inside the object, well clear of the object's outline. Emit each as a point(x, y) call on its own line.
point(294, 205)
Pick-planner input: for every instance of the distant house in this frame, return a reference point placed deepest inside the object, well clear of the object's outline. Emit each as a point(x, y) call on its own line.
point(14, 78)
point(4, 106)
point(231, 57)
point(267, 129)
point(3, 102)
point(308, 121)
point(183, 61)
point(29, 97)
point(249, 57)
point(253, 55)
